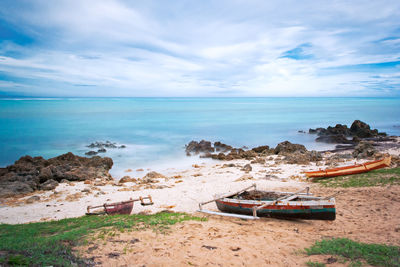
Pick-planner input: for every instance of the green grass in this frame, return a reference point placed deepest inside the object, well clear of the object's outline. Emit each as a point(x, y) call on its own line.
point(373, 178)
point(373, 254)
point(50, 243)
point(315, 264)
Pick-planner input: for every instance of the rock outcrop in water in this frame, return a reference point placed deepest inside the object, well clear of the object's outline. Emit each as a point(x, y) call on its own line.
point(101, 147)
point(29, 174)
point(341, 134)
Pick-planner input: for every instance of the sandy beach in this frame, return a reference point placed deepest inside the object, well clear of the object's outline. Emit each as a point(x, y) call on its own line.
point(363, 214)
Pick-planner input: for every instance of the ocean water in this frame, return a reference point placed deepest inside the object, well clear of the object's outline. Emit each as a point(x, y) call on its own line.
point(155, 130)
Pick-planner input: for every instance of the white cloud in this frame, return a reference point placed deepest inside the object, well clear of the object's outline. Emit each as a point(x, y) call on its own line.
point(201, 48)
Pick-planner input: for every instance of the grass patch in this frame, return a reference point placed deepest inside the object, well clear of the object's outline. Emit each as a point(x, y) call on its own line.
point(380, 177)
point(315, 264)
point(50, 243)
point(373, 254)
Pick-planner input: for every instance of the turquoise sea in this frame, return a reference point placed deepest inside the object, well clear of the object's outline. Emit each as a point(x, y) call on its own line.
point(155, 130)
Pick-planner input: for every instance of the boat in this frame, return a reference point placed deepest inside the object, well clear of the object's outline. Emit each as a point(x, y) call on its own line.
point(353, 169)
point(253, 204)
point(123, 207)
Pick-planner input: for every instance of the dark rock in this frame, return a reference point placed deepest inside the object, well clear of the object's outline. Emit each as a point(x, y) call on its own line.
point(8, 189)
point(48, 185)
point(32, 199)
point(287, 147)
point(247, 168)
point(230, 165)
point(338, 134)
point(102, 150)
point(333, 139)
point(127, 179)
point(364, 150)
point(302, 158)
point(106, 144)
point(319, 131)
point(363, 130)
point(28, 174)
point(248, 154)
point(222, 147)
point(199, 147)
point(261, 149)
point(91, 153)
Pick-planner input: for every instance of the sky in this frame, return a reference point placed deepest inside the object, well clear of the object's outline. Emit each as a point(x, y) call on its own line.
point(110, 48)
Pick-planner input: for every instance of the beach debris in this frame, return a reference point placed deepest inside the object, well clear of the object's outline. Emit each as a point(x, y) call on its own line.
point(153, 175)
point(124, 207)
point(330, 260)
point(74, 197)
point(128, 170)
point(134, 240)
point(48, 185)
point(245, 178)
point(209, 247)
point(139, 170)
point(258, 161)
point(127, 179)
point(247, 168)
point(168, 207)
point(229, 165)
point(32, 199)
point(93, 248)
point(235, 248)
point(113, 255)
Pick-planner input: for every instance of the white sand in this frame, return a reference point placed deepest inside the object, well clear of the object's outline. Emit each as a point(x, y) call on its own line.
point(194, 185)
point(184, 196)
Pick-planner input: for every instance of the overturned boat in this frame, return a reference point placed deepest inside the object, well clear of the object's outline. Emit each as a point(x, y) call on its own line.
point(252, 204)
point(353, 169)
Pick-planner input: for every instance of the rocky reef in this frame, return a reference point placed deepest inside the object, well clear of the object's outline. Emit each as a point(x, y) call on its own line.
point(101, 147)
point(292, 153)
point(341, 134)
point(36, 173)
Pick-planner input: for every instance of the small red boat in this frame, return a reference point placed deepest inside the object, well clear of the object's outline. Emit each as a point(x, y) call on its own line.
point(353, 169)
point(124, 207)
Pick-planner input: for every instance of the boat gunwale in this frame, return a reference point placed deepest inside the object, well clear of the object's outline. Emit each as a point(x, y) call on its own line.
point(331, 172)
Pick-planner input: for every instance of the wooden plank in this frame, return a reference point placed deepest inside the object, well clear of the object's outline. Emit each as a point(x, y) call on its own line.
point(227, 195)
point(247, 217)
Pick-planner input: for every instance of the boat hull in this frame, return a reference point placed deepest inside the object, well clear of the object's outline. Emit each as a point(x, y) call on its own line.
point(287, 211)
point(119, 208)
point(348, 170)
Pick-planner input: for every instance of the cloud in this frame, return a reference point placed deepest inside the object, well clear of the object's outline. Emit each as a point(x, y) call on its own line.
point(205, 48)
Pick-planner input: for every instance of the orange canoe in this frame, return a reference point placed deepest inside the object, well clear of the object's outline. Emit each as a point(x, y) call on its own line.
point(353, 169)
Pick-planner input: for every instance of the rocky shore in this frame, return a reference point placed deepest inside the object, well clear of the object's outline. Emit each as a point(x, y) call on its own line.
point(75, 182)
point(29, 174)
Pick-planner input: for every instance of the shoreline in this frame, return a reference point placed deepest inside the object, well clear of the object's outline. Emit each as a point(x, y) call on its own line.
point(176, 190)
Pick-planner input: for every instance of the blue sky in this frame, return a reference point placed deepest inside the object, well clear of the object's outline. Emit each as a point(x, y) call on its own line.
point(199, 48)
